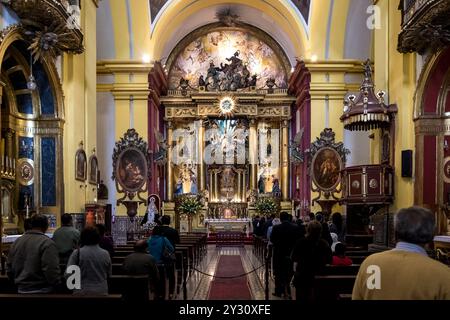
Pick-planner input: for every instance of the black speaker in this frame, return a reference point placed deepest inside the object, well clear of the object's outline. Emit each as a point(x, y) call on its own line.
point(407, 163)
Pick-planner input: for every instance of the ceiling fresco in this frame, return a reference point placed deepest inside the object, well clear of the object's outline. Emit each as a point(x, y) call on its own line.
point(220, 47)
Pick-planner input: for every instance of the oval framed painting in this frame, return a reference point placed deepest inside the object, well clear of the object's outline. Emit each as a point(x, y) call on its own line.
point(25, 171)
point(131, 169)
point(326, 167)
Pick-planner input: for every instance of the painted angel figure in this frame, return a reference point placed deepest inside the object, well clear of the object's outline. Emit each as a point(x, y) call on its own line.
point(163, 147)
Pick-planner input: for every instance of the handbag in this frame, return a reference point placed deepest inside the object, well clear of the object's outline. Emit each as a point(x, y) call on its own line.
point(168, 256)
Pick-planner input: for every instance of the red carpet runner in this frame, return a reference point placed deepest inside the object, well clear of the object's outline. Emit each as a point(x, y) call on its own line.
point(229, 289)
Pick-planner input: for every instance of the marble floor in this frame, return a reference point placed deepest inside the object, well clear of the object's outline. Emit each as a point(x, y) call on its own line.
point(199, 283)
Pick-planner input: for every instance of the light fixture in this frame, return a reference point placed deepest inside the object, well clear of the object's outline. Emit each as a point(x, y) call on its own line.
point(367, 111)
point(31, 83)
point(314, 58)
point(146, 58)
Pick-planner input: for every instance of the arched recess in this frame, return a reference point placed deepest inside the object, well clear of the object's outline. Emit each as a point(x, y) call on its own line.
point(432, 131)
point(282, 22)
point(31, 134)
point(243, 33)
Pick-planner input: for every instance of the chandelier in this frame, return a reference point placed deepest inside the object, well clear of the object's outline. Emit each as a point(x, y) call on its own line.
point(367, 111)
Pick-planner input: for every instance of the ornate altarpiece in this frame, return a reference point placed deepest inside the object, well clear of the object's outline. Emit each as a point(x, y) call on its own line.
point(231, 119)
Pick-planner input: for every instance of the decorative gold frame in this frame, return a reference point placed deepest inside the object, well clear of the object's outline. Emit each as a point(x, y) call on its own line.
point(91, 159)
point(21, 165)
point(80, 176)
point(313, 173)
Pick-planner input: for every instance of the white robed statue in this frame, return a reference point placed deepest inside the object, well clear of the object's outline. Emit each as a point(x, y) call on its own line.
point(149, 218)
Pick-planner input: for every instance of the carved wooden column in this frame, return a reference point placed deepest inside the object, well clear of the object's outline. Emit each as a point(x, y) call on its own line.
point(253, 154)
point(239, 190)
point(169, 182)
point(216, 185)
point(201, 163)
point(285, 160)
point(211, 186)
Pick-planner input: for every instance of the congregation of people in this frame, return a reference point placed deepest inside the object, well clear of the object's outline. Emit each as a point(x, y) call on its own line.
point(39, 264)
point(301, 250)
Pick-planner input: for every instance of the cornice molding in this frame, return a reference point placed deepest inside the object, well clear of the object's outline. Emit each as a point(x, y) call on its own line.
point(123, 66)
point(344, 66)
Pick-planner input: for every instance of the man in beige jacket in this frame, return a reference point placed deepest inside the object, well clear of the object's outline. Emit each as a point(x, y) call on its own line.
point(405, 272)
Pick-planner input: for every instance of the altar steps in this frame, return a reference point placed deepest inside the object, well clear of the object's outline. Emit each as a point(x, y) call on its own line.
point(230, 239)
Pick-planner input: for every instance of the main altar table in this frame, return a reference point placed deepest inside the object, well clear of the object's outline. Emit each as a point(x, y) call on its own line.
point(219, 225)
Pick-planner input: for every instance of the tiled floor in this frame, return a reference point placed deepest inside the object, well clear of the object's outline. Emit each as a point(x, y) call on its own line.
point(198, 284)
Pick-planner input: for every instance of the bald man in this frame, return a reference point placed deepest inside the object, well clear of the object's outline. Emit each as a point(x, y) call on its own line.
point(140, 262)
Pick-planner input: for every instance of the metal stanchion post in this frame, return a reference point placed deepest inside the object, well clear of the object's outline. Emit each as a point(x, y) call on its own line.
point(184, 285)
point(266, 275)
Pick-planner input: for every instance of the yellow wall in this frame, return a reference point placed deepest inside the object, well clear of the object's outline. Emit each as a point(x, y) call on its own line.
point(396, 73)
point(79, 86)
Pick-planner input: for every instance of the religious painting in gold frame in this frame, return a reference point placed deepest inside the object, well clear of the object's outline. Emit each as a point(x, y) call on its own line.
point(326, 167)
point(131, 169)
point(93, 170)
point(80, 165)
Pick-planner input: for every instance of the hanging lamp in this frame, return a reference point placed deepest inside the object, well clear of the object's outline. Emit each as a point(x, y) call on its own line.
point(367, 111)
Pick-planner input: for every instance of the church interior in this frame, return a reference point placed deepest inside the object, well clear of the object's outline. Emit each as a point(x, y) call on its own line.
point(222, 117)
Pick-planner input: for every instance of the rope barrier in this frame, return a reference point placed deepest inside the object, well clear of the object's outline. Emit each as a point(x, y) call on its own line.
point(228, 277)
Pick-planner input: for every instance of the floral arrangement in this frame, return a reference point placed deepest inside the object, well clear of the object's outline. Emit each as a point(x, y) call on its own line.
point(267, 206)
point(188, 204)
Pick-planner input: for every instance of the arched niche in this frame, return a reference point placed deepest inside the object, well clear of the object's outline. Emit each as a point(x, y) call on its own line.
point(31, 132)
point(432, 135)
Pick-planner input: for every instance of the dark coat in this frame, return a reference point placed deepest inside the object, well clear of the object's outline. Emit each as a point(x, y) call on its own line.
point(171, 234)
point(284, 236)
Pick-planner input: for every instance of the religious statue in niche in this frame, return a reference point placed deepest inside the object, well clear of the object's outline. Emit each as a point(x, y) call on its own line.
point(187, 181)
point(179, 187)
point(276, 191)
point(227, 182)
point(194, 188)
point(261, 184)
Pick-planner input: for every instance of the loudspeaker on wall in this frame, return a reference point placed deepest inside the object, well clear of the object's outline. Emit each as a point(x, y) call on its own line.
point(407, 163)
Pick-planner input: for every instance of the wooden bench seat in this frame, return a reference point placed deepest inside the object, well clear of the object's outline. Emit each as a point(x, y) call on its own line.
point(329, 287)
point(341, 270)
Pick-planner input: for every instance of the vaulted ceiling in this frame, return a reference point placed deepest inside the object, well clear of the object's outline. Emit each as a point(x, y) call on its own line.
point(329, 29)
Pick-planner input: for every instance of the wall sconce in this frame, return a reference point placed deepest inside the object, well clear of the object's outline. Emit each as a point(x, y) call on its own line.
point(445, 145)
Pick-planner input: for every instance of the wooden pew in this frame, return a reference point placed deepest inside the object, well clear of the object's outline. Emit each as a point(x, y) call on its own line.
point(328, 288)
point(6, 285)
point(357, 259)
point(341, 270)
point(132, 288)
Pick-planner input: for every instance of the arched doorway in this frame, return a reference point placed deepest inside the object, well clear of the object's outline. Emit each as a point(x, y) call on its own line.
point(432, 128)
point(31, 135)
